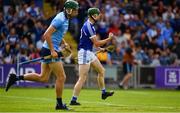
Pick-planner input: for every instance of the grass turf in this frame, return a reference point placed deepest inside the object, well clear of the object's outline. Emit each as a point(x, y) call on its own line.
point(43, 100)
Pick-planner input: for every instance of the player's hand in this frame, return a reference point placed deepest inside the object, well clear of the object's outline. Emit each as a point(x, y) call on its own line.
point(111, 35)
point(102, 49)
point(66, 45)
point(54, 54)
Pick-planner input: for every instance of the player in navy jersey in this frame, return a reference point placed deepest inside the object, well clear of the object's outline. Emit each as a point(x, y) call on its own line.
point(87, 58)
point(53, 37)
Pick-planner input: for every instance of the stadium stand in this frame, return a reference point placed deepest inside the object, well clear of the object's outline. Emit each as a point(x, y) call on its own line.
point(150, 27)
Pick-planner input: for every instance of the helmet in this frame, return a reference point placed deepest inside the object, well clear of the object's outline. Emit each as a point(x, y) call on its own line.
point(72, 4)
point(92, 11)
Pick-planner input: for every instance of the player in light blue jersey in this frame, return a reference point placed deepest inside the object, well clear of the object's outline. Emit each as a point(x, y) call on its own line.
point(53, 37)
point(87, 58)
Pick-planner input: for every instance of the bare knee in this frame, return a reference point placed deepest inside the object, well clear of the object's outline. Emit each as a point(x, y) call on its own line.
point(61, 78)
point(82, 79)
point(43, 79)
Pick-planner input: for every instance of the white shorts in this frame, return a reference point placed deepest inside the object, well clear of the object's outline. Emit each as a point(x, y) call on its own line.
point(86, 56)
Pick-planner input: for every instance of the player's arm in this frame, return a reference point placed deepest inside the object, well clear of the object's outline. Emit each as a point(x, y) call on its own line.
point(98, 43)
point(47, 36)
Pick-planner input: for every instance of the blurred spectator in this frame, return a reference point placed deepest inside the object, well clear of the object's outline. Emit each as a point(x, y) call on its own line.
point(175, 23)
point(34, 54)
point(164, 59)
point(39, 44)
point(117, 56)
point(121, 39)
point(33, 10)
point(23, 55)
point(114, 28)
point(7, 54)
point(127, 34)
point(140, 56)
point(2, 23)
point(161, 8)
point(6, 5)
point(153, 24)
point(160, 24)
point(176, 45)
point(167, 33)
point(147, 7)
point(38, 30)
point(155, 60)
point(74, 28)
point(168, 14)
point(143, 41)
point(153, 17)
point(153, 44)
point(22, 10)
point(128, 61)
point(12, 38)
point(102, 26)
point(152, 32)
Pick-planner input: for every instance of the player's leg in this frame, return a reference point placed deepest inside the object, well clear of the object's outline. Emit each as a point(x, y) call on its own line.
point(126, 80)
point(58, 70)
point(83, 73)
point(101, 73)
point(127, 68)
point(43, 77)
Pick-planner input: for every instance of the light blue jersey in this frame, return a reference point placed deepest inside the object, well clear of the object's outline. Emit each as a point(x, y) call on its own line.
point(87, 32)
point(61, 23)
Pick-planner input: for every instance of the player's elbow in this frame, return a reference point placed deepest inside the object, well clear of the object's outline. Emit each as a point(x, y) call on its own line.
point(97, 44)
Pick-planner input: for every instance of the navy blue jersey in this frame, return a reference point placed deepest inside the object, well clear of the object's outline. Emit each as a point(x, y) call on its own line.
point(13, 39)
point(87, 32)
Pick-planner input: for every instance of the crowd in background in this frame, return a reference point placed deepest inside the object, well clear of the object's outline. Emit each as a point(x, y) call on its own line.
point(150, 27)
point(22, 24)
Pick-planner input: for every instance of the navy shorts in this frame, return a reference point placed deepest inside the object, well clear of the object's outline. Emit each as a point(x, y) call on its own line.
point(127, 68)
point(46, 52)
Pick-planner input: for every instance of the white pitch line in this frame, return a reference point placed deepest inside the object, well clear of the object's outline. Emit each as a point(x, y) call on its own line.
point(28, 98)
point(122, 105)
point(139, 93)
point(98, 103)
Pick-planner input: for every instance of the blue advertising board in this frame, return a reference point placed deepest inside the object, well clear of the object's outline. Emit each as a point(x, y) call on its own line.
point(6, 69)
point(167, 77)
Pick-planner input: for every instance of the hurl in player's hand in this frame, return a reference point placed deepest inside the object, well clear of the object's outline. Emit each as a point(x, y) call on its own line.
point(102, 49)
point(66, 51)
point(54, 54)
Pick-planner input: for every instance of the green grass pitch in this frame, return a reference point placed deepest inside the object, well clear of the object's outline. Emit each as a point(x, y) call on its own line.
point(134, 101)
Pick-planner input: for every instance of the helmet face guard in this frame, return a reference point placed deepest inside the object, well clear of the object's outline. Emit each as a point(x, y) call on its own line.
point(71, 4)
point(93, 11)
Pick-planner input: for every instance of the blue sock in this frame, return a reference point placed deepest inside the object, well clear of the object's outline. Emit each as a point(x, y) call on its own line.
point(103, 90)
point(74, 98)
